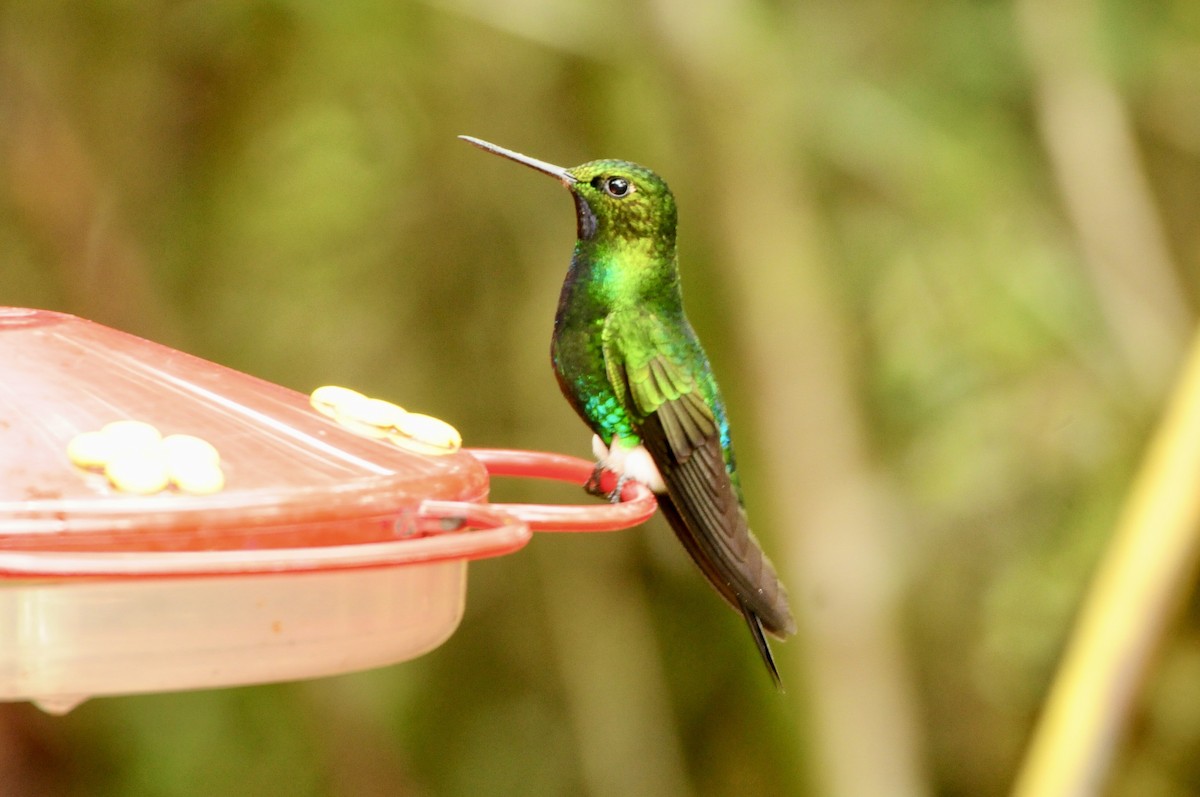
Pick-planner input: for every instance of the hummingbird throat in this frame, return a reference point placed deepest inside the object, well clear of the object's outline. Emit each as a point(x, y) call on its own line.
point(585, 218)
point(631, 463)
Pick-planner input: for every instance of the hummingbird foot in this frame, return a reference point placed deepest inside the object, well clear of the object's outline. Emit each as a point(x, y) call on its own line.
point(615, 496)
point(627, 461)
point(594, 484)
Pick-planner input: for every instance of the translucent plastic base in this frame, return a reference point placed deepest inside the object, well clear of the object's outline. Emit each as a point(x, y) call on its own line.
point(65, 641)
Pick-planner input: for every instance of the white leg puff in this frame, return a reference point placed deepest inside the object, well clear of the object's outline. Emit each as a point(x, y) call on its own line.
point(599, 450)
point(629, 463)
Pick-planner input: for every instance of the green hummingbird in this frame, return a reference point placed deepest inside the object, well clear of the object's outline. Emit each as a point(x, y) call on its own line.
point(630, 364)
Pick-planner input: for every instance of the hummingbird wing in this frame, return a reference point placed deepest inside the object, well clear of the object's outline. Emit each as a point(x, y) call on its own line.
point(659, 371)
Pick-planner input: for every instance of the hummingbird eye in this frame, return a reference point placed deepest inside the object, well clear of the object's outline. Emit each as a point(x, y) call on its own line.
point(617, 187)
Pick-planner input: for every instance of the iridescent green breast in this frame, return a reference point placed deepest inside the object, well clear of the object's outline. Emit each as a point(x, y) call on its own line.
point(577, 352)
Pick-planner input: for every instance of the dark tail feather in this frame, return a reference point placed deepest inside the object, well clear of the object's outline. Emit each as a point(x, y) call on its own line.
point(760, 642)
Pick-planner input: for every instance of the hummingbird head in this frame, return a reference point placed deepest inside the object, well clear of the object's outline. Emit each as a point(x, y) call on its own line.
point(620, 199)
point(614, 199)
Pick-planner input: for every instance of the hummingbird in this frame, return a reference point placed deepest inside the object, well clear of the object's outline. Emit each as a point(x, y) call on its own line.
point(630, 364)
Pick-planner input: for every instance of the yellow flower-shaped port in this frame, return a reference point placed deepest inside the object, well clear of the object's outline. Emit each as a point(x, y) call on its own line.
point(136, 458)
point(372, 417)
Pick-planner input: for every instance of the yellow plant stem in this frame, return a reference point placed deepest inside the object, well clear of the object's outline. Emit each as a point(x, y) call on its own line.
point(1135, 590)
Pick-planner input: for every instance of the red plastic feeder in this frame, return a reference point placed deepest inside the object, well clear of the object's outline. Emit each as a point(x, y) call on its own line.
point(325, 552)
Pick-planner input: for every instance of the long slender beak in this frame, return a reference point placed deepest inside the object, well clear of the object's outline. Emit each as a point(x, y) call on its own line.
point(533, 163)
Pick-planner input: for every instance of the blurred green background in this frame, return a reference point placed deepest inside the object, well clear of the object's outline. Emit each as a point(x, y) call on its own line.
point(944, 255)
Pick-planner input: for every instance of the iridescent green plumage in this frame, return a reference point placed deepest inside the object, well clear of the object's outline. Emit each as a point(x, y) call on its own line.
point(630, 364)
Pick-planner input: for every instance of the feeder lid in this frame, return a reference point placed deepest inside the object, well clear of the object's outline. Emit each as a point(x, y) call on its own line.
point(292, 477)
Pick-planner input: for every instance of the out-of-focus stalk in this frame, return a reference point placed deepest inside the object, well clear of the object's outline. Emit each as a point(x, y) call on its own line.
point(1136, 587)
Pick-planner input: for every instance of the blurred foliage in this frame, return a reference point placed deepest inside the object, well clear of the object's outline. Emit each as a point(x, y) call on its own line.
point(932, 265)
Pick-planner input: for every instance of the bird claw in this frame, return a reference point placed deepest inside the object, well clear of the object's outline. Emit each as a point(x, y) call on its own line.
point(594, 485)
point(615, 496)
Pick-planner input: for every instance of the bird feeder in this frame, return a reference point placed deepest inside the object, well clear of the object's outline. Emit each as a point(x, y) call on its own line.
point(167, 523)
